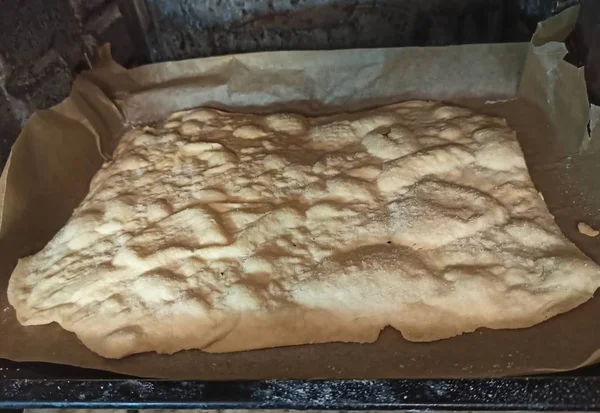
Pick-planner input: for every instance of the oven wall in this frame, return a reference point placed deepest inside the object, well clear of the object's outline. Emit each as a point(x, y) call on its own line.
point(42, 45)
point(185, 28)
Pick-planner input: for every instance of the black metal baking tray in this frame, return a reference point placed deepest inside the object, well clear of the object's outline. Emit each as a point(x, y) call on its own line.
point(42, 385)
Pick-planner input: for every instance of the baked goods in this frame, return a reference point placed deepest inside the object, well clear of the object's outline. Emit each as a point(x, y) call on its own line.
point(229, 232)
point(587, 230)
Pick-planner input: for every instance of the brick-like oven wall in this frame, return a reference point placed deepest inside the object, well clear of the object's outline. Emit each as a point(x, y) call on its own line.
point(186, 28)
point(42, 44)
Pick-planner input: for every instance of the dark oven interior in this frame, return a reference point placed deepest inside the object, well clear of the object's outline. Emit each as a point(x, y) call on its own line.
point(43, 44)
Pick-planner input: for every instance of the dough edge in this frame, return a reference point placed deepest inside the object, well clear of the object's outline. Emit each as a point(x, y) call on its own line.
point(250, 332)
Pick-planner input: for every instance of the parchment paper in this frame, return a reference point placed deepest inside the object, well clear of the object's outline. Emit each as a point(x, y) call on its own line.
point(542, 97)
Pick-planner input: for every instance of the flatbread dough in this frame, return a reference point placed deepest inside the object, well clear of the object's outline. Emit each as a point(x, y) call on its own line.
point(227, 232)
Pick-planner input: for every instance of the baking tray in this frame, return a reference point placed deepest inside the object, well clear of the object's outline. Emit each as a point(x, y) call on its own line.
point(41, 385)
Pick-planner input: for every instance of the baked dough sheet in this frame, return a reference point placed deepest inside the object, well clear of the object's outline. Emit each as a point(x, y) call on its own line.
point(230, 232)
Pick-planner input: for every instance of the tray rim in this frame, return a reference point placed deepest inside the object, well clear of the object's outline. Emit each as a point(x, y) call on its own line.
point(536, 393)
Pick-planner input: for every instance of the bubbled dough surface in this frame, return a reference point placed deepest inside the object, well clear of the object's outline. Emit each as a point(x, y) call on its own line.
point(228, 232)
